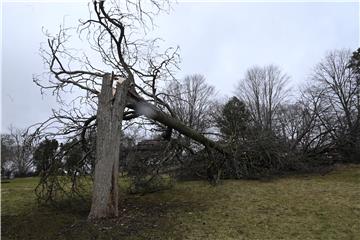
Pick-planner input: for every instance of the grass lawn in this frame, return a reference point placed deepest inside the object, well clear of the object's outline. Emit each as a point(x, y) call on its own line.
point(301, 207)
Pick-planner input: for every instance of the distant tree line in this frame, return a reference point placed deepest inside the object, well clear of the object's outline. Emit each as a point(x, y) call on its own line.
point(268, 131)
point(23, 155)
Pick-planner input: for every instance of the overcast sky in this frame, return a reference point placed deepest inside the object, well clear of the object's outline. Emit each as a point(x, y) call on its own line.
point(218, 40)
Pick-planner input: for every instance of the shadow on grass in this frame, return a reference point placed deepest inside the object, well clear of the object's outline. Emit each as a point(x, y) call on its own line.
point(139, 218)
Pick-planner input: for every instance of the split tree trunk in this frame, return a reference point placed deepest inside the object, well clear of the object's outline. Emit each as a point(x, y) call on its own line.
point(109, 118)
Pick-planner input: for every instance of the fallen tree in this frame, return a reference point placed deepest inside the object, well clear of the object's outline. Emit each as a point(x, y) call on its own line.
point(143, 107)
point(130, 91)
point(109, 118)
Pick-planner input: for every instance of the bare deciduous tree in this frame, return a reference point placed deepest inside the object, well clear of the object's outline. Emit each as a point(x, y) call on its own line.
point(117, 33)
point(20, 150)
point(340, 99)
point(7, 155)
point(191, 101)
point(263, 89)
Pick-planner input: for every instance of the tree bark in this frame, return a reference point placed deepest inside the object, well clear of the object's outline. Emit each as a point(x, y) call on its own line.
point(109, 118)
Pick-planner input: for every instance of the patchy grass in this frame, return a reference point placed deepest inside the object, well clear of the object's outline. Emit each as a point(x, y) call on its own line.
point(301, 207)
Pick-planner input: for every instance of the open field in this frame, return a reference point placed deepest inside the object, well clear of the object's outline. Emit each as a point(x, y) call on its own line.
point(301, 207)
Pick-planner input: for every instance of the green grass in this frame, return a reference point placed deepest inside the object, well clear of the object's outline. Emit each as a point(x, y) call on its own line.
point(301, 207)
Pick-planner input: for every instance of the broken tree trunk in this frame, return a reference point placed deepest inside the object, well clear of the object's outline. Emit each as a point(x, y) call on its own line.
point(142, 107)
point(109, 118)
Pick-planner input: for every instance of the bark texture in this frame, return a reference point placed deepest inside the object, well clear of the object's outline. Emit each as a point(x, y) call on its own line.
point(109, 118)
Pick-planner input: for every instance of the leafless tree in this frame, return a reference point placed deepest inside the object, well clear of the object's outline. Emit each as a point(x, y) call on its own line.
point(325, 119)
point(313, 137)
point(7, 154)
point(191, 101)
point(263, 89)
point(290, 120)
point(20, 150)
point(116, 32)
point(339, 98)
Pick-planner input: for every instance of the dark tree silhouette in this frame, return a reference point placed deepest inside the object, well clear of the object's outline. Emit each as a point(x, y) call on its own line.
point(44, 155)
point(234, 120)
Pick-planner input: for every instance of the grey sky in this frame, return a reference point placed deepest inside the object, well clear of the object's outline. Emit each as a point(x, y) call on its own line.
point(219, 40)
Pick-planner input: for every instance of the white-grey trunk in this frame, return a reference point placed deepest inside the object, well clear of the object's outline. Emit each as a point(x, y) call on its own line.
point(109, 117)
